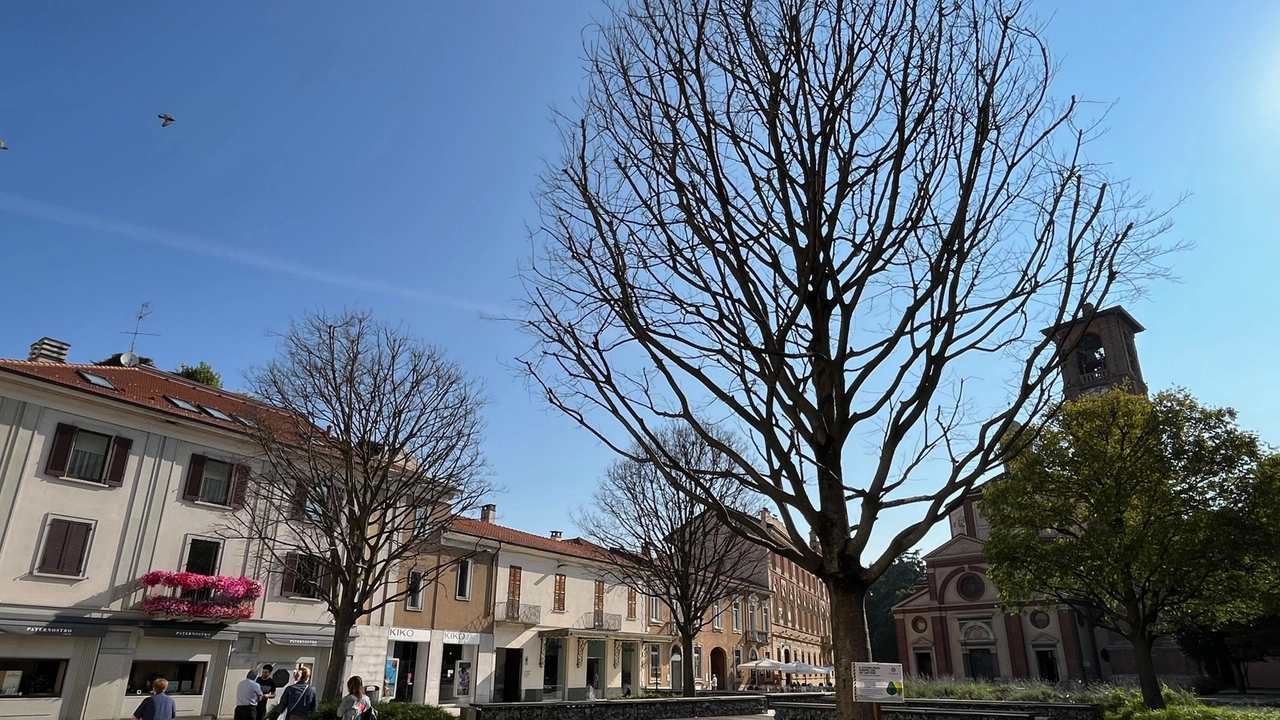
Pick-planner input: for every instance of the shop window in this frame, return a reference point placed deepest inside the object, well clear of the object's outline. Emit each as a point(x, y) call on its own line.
point(31, 678)
point(185, 678)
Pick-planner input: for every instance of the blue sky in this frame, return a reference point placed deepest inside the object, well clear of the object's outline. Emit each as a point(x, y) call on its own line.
point(382, 155)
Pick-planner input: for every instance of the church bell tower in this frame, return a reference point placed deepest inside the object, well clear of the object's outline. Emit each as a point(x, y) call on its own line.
point(1097, 352)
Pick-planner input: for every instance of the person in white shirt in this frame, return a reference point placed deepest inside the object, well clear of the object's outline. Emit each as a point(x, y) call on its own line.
point(248, 693)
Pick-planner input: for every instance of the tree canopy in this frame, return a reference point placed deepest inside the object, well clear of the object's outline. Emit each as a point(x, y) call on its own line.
point(201, 373)
point(1145, 512)
point(890, 589)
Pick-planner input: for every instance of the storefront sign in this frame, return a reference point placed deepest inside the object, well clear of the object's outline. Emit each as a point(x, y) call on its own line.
point(191, 633)
point(300, 640)
point(409, 634)
point(877, 683)
point(455, 637)
point(53, 628)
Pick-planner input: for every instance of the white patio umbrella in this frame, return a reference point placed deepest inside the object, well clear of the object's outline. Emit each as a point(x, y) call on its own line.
point(807, 669)
point(765, 664)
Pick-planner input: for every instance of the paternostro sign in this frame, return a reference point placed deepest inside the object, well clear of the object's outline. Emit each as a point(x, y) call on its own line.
point(877, 683)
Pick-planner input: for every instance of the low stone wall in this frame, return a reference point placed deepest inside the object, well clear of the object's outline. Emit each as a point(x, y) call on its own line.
point(946, 710)
point(637, 709)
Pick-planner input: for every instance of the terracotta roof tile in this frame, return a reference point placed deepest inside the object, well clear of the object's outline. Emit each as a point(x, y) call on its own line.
point(572, 546)
point(146, 387)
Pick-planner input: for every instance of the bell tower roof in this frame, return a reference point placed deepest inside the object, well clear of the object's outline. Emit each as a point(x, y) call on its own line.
point(1097, 352)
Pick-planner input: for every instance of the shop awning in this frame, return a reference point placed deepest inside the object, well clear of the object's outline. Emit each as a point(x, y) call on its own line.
point(300, 640)
point(588, 634)
point(66, 629)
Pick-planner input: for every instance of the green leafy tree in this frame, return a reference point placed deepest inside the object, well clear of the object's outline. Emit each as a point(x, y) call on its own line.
point(892, 588)
point(201, 373)
point(1143, 511)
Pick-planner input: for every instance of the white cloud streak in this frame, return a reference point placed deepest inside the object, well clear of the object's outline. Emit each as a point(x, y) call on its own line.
point(57, 214)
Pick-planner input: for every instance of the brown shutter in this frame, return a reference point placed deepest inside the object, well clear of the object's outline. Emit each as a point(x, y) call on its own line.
point(239, 485)
point(298, 503)
point(55, 542)
point(631, 603)
point(76, 548)
point(120, 447)
point(195, 476)
point(324, 578)
point(289, 579)
point(63, 439)
point(513, 584)
point(599, 595)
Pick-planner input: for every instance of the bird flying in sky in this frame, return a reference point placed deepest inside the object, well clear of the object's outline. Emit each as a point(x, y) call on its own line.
point(168, 120)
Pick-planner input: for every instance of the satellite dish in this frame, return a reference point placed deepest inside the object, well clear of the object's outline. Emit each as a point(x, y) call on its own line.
point(128, 359)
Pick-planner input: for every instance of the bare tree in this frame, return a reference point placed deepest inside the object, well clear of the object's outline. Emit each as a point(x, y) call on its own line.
point(667, 545)
point(832, 227)
point(375, 448)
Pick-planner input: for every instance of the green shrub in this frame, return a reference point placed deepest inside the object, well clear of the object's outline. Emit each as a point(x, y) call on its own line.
point(328, 710)
point(1203, 712)
point(1205, 685)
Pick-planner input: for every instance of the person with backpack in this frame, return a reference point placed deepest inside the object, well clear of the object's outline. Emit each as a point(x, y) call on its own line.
point(356, 705)
point(299, 699)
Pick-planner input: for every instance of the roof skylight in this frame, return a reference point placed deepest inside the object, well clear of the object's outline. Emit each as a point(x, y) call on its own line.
point(97, 380)
point(215, 412)
point(182, 403)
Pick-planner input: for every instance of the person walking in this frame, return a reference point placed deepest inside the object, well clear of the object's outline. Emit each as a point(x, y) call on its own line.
point(248, 695)
point(355, 704)
point(268, 685)
point(158, 706)
point(299, 699)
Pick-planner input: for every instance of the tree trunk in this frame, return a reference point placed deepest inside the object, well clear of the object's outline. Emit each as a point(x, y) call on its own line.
point(686, 666)
point(850, 643)
point(1239, 676)
point(1152, 696)
point(334, 684)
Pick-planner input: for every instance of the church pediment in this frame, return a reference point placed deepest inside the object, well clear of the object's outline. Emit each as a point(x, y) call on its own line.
point(958, 545)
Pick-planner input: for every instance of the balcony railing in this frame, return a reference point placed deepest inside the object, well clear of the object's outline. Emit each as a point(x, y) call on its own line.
point(517, 612)
point(757, 636)
point(598, 620)
point(213, 598)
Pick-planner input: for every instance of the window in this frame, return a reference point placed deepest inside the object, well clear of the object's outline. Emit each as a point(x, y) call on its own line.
point(421, 522)
point(215, 412)
point(717, 622)
point(655, 663)
point(764, 616)
point(462, 586)
point(85, 455)
point(185, 678)
point(631, 603)
point(971, 587)
point(215, 482)
point(304, 577)
point(66, 547)
point(655, 610)
point(1047, 663)
point(751, 614)
point(31, 678)
point(557, 601)
point(737, 614)
point(737, 660)
point(413, 598)
point(202, 556)
point(697, 661)
point(97, 380)
point(179, 402)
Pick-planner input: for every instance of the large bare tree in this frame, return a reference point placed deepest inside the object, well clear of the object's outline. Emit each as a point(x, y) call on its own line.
point(374, 448)
point(834, 227)
point(667, 545)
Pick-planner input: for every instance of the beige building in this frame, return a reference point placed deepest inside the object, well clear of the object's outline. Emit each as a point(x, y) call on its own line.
point(113, 477)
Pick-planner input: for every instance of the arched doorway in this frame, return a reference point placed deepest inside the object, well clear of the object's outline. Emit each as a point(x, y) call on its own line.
point(677, 672)
point(786, 658)
point(719, 669)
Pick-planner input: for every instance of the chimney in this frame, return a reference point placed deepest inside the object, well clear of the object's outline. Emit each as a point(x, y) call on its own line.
point(46, 349)
point(556, 535)
point(489, 513)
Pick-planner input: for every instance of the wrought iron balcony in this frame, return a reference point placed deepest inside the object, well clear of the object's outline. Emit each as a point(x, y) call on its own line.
point(757, 636)
point(517, 612)
point(598, 620)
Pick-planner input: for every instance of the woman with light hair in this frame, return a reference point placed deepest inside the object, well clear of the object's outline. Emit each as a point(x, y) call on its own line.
point(298, 701)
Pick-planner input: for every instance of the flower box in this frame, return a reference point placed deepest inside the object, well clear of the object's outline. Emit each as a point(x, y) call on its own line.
point(202, 597)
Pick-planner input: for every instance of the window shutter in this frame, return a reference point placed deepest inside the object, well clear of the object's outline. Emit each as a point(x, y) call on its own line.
point(195, 476)
point(63, 439)
point(55, 542)
point(298, 503)
point(120, 447)
point(289, 580)
point(324, 578)
point(77, 546)
point(239, 485)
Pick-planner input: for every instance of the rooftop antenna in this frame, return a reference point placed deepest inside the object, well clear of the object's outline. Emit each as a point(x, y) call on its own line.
point(142, 314)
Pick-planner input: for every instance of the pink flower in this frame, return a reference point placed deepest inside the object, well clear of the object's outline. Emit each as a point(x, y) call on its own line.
point(153, 578)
